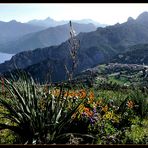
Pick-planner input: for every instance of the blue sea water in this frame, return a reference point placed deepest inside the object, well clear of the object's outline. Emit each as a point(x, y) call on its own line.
point(4, 57)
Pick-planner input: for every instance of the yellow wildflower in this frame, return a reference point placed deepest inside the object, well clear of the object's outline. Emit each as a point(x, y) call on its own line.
point(105, 108)
point(108, 115)
point(81, 108)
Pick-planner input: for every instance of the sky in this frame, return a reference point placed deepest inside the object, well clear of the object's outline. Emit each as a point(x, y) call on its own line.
point(104, 13)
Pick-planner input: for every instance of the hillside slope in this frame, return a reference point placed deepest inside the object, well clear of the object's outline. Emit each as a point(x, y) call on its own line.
point(13, 30)
point(96, 47)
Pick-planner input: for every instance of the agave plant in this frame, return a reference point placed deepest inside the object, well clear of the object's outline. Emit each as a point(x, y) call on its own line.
point(35, 116)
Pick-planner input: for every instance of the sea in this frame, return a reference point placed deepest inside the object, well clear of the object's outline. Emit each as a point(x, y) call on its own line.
point(5, 57)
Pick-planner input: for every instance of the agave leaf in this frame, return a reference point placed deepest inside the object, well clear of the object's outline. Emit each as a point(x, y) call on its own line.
point(67, 118)
point(18, 96)
point(58, 115)
point(16, 129)
point(34, 96)
point(10, 117)
point(9, 107)
point(53, 104)
point(122, 107)
point(26, 116)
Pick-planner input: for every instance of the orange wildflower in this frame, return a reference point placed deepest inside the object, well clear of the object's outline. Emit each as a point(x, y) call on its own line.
point(66, 94)
point(76, 94)
point(56, 92)
point(86, 109)
point(130, 104)
point(71, 94)
point(88, 112)
point(91, 95)
point(82, 94)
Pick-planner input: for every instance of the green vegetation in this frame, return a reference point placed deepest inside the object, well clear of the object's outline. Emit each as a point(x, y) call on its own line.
point(35, 114)
point(31, 113)
point(110, 107)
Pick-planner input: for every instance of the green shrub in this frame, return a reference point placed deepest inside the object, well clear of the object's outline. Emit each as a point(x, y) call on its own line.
point(137, 134)
point(7, 137)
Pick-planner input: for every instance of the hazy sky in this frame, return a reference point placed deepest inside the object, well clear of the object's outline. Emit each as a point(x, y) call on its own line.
point(101, 12)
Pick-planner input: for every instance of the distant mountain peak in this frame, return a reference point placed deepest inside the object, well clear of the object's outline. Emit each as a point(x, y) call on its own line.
point(49, 19)
point(143, 17)
point(50, 22)
point(13, 21)
point(130, 19)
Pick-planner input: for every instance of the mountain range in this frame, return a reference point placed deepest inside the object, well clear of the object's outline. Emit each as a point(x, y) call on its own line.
point(13, 30)
point(44, 38)
point(49, 22)
point(100, 46)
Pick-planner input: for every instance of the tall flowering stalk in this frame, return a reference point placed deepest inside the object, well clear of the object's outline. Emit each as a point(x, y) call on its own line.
point(74, 46)
point(2, 83)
